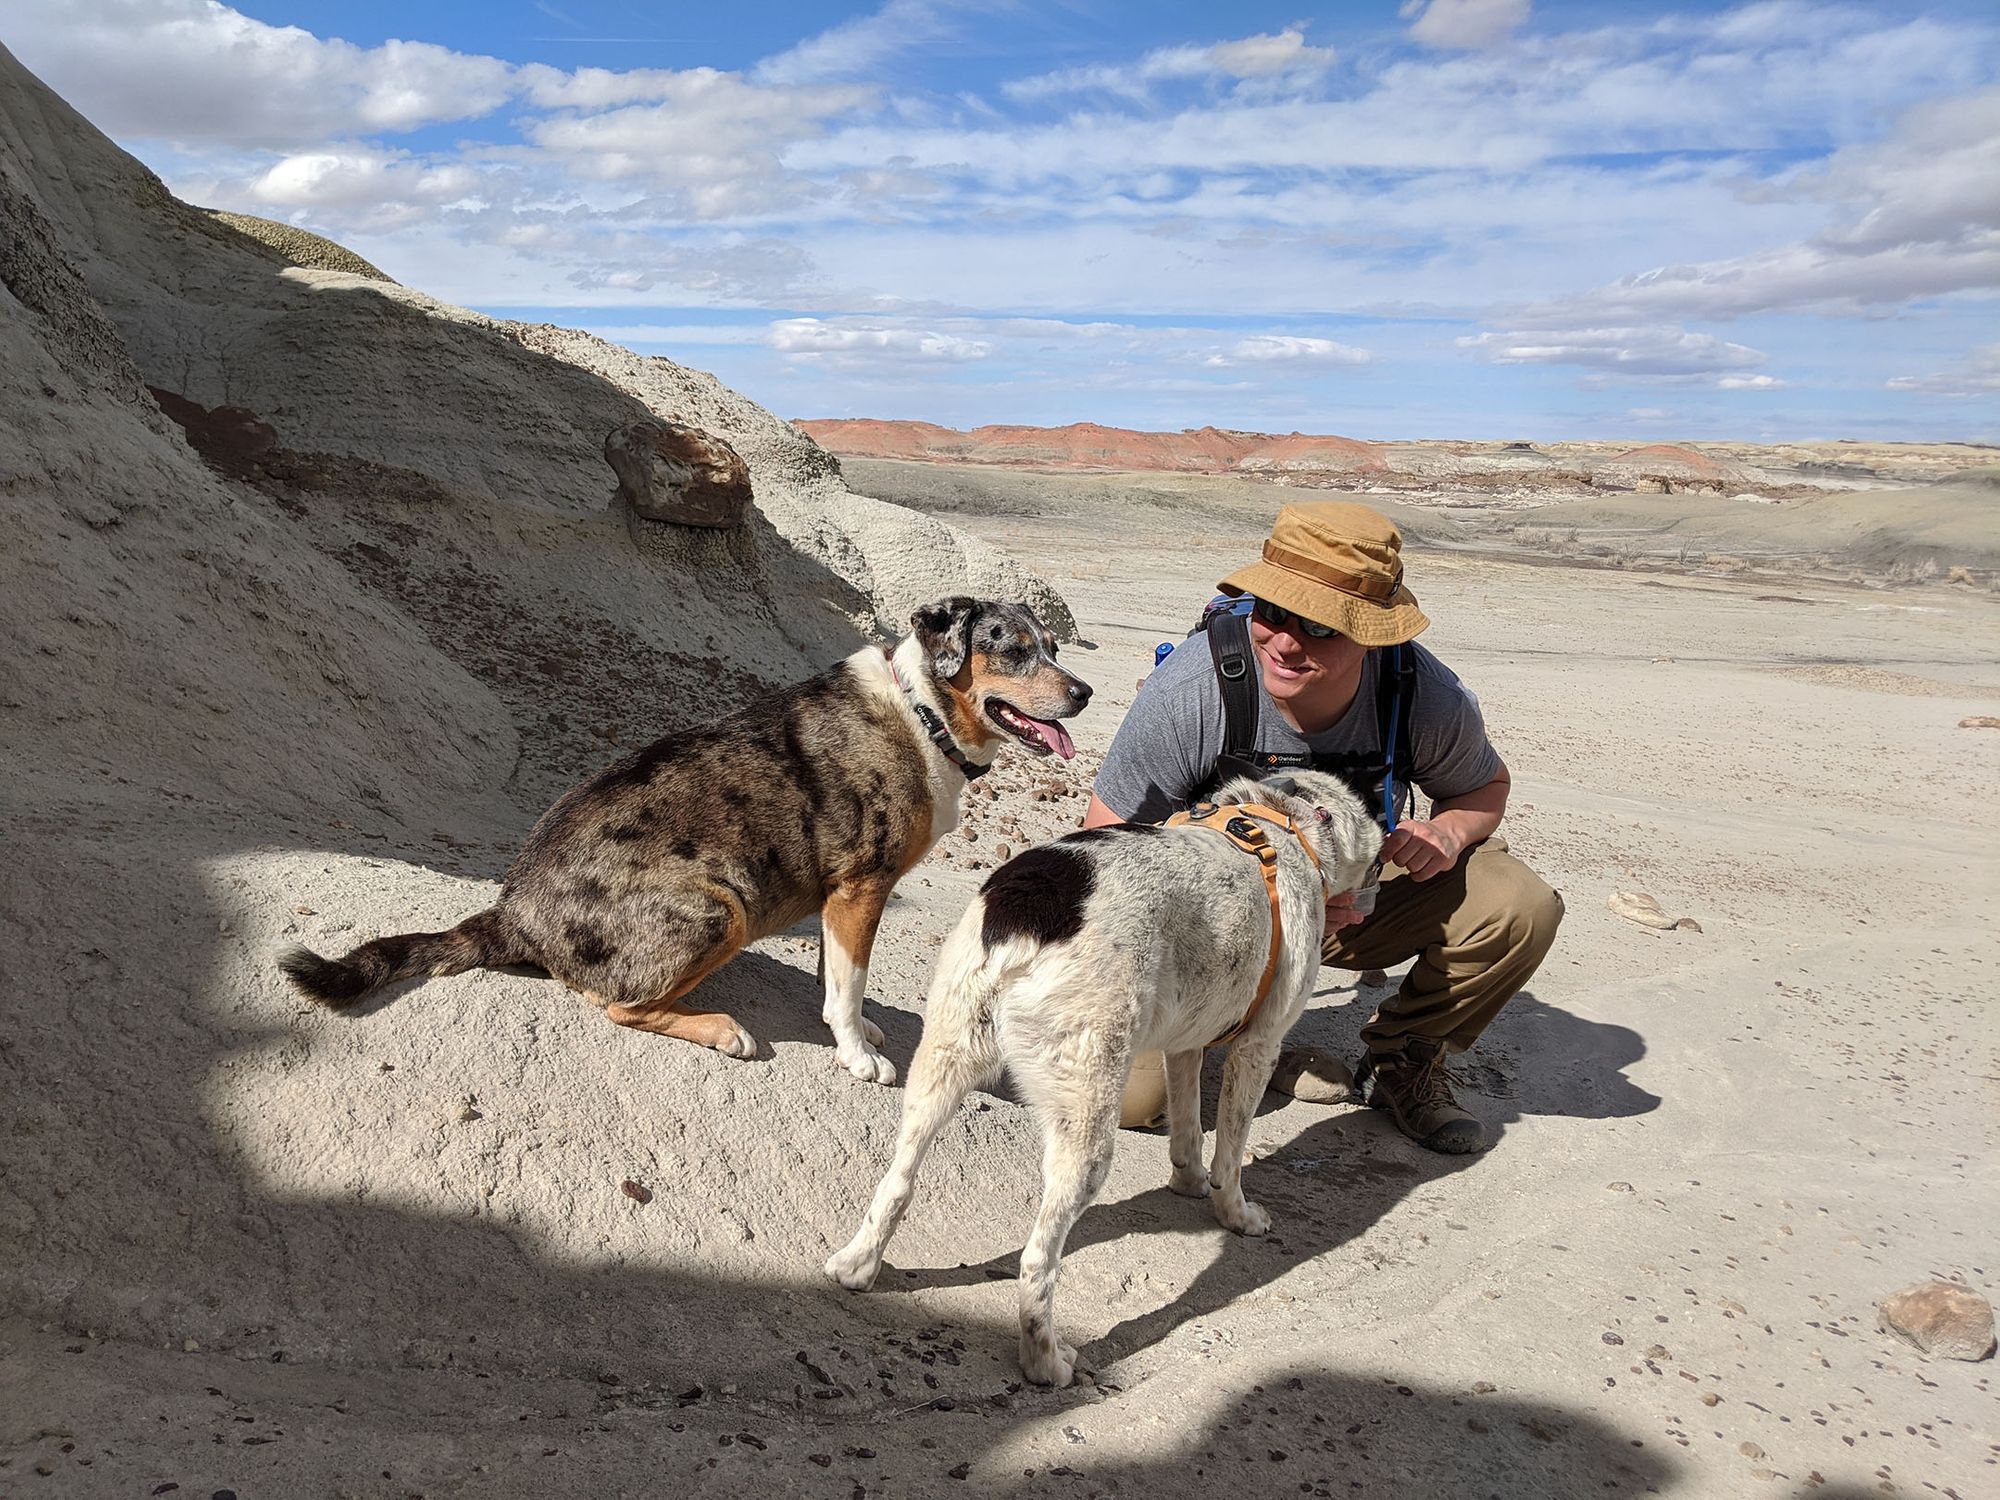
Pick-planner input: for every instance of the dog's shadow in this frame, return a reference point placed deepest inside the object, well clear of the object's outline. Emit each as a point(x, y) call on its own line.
point(774, 1000)
point(780, 1002)
point(1349, 1168)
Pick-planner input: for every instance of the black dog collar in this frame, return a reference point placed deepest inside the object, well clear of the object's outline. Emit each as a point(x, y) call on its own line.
point(934, 727)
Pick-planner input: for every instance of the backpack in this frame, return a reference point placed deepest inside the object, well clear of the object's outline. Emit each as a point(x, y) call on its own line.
point(1382, 779)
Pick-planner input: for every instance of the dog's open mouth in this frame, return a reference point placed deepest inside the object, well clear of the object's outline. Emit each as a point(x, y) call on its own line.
point(1039, 735)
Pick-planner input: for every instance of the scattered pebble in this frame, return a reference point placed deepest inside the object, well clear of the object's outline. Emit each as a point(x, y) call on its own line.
point(638, 1192)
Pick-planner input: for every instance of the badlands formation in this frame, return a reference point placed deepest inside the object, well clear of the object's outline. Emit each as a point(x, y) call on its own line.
point(317, 590)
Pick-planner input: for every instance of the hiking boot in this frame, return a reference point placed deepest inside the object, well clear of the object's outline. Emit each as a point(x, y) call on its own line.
point(1316, 1077)
point(1414, 1087)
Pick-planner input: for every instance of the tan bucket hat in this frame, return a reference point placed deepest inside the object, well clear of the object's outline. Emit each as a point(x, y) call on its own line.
point(1336, 564)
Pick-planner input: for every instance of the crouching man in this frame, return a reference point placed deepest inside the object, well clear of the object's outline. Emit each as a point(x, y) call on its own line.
point(1314, 665)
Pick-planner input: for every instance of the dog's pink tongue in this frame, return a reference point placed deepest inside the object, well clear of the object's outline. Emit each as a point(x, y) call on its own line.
point(1055, 737)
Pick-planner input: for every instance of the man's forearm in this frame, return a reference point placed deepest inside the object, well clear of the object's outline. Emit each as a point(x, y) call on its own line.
point(1470, 818)
point(1097, 815)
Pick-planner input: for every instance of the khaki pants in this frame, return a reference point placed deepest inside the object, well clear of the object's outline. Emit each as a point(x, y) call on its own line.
point(1477, 934)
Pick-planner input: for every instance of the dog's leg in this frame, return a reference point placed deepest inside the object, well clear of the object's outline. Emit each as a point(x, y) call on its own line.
point(847, 936)
point(868, 1028)
point(666, 1016)
point(940, 1076)
point(705, 1028)
point(1190, 1177)
point(1076, 1157)
point(1244, 1078)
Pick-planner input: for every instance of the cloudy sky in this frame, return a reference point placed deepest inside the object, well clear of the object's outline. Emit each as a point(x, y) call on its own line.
point(1441, 218)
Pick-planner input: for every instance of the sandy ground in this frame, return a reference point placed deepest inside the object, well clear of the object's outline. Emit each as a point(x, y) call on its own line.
point(1717, 1149)
point(250, 1248)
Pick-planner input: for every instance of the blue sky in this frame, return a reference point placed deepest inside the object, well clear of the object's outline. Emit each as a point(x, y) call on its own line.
point(1444, 218)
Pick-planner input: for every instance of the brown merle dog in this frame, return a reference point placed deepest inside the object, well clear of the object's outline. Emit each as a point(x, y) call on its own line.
point(637, 885)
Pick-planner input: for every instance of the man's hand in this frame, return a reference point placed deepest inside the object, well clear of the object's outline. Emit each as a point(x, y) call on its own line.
point(1424, 848)
point(1341, 912)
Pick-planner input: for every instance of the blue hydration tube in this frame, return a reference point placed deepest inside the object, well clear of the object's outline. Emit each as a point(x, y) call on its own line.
point(1394, 664)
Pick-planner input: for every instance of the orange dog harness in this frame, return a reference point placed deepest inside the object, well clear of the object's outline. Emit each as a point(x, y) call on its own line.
point(1234, 821)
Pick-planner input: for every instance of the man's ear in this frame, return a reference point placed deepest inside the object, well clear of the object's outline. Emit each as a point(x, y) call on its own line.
point(944, 630)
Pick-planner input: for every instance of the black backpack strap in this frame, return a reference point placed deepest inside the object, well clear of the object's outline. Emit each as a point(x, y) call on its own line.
point(1236, 675)
point(1395, 706)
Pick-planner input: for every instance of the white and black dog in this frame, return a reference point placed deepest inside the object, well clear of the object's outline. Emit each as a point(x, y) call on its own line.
point(1079, 955)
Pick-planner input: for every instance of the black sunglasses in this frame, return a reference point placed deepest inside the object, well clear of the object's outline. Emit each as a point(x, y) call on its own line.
point(1279, 618)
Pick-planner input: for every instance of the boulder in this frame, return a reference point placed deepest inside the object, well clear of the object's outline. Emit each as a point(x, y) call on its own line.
point(1942, 1318)
point(667, 472)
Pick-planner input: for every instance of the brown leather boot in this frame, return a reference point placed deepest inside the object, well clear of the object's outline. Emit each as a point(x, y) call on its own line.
point(1414, 1087)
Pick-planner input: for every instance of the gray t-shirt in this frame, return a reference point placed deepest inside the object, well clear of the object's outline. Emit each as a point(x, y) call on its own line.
point(1167, 746)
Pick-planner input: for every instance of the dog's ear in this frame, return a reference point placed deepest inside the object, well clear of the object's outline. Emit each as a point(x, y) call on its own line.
point(944, 630)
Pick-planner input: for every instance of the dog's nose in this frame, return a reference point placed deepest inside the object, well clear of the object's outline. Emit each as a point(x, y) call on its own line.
point(1079, 691)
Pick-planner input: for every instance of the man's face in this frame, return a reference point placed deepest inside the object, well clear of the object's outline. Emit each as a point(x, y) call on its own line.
point(1311, 678)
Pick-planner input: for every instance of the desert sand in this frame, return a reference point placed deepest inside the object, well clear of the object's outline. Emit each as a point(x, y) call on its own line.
point(315, 686)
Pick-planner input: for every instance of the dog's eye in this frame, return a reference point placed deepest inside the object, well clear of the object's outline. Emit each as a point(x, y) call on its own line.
point(1324, 815)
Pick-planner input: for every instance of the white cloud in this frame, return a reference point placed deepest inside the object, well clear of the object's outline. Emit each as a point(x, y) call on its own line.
point(1268, 55)
point(713, 137)
point(1292, 349)
point(361, 177)
point(858, 47)
point(1264, 57)
point(1464, 24)
point(1924, 206)
point(814, 338)
point(1978, 374)
point(1639, 352)
point(1749, 383)
point(196, 71)
point(594, 88)
point(732, 271)
point(680, 335)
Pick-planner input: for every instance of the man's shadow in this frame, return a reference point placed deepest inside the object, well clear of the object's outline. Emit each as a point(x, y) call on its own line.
point(1346, 1170)
point(1535, 1059)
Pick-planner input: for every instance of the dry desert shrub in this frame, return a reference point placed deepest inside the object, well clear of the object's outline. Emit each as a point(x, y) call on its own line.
point(1960, 575)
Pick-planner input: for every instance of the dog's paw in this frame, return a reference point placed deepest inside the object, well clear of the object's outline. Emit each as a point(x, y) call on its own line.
point(854, 1267)
point(873, 1032)
point(736, 1042)
point(1053, 1365)
point(1190, 1182)
point(868, 1065)
point(1245, 1218)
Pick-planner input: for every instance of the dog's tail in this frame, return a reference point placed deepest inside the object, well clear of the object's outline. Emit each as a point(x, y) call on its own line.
point(481, 941)
point(975, 965)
